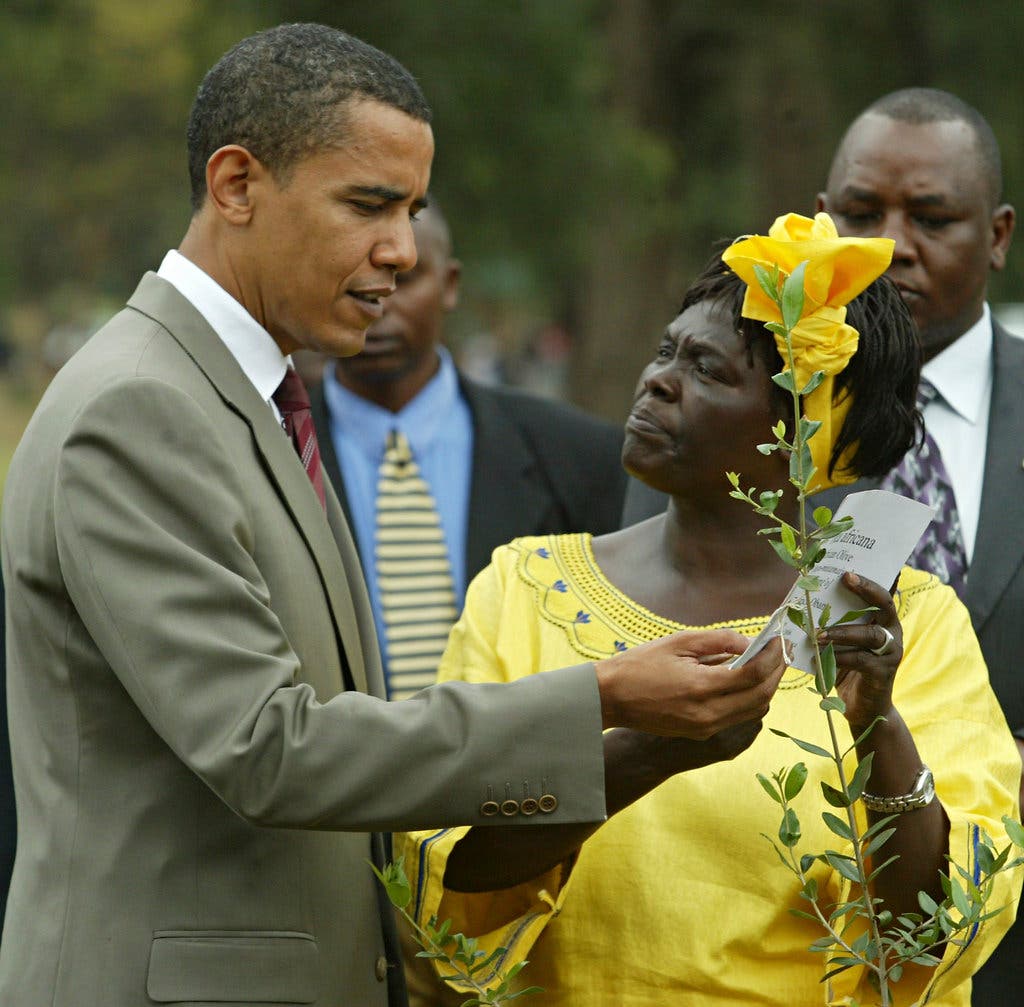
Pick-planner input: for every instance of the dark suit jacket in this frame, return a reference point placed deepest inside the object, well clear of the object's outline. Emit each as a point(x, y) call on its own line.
point(193, 683)
point(994, 595)
point(539, 467)
point(8, 818)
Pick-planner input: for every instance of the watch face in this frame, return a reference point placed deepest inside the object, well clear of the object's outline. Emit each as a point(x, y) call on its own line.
point(927, 787)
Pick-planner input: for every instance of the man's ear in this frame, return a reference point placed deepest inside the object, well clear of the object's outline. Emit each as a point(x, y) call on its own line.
point(230, 174)
point(820, 203)
point(1003, 220)
point(452, 276)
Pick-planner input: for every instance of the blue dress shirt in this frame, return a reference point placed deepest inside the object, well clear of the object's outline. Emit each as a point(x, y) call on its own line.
point(439, 426)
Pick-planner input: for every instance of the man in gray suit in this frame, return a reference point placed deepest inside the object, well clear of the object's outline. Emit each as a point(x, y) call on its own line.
point(200, 751)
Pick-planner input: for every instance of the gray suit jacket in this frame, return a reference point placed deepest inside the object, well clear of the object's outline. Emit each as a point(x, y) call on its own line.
point(539, 467)
point(198, 751)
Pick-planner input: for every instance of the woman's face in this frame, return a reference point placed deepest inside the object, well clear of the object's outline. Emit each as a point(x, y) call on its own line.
point(701, 407)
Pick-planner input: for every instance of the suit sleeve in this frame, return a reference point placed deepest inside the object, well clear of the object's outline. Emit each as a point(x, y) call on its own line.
point(156, 542)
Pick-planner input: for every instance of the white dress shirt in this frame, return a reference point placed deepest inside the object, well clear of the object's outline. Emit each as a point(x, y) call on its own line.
point(250, 344)
point(958, 417)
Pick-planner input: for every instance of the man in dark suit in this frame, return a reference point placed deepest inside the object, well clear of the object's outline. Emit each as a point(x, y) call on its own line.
point(923, 168)
point(200, 743)
point(499, 463)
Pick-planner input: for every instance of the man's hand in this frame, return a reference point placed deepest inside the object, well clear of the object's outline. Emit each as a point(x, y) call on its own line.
point(673, 686)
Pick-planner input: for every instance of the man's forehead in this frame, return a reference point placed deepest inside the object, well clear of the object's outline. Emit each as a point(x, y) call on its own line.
point(929, 157)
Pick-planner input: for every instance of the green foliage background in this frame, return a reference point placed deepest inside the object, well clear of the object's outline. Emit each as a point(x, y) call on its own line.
point(588, 150)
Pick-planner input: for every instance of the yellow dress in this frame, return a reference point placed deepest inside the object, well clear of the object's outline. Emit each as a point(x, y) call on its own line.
point(679, 899)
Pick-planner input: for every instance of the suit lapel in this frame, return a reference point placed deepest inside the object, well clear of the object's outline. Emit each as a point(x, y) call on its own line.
point(164, 304)
point(999, 546)
point(502, 458)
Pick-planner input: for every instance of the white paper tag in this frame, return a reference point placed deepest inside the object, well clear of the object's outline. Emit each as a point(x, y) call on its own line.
point(886, 527)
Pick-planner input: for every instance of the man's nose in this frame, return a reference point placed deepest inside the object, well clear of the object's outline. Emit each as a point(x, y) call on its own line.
point(896, 225)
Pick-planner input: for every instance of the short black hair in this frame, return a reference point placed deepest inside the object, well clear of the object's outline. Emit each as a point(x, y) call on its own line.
point(279, 94)
point(921, 105)
point(882, 376)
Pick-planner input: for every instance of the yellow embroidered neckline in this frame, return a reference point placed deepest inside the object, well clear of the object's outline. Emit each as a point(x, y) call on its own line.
point(573, 592)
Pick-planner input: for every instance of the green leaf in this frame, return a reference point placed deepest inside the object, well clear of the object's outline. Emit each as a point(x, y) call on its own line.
point(833, 703)
point(806, 583)
point(806, 746)
point(395, 883)
point(826, 614)
point(877, 842)
point(795, 780)
point(828, 669)
point(769, 788)
point(834, 797)
point(733, 478)
point(767, 449)
point(959, 897)
point(788, 537)
point(837, 825)
point(793, 297)
point(844, 524)
point(777, 329)
point(822, 516)
point(986, 859)
point(860, 777)
point(810, 890)
point(808, 428)
point(796, 615)
point(784, 379)
point(855, 613)
point(1014, 830)
point(784, 554)
point(816, 379)
point(846, 866)
point(768, 280)
point(927, 903)
point(789, 829)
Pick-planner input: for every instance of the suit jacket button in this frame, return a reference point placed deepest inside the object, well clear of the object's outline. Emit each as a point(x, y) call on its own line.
point(509, 808)
point(548, 803)
point(489, 809)
point(380, 968)
point(529, 806)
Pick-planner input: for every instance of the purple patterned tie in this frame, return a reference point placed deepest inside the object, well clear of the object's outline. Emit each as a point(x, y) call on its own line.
point(293, 401)
point(922, 476)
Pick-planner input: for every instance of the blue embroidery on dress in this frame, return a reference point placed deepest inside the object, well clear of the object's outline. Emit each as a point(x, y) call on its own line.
point(582, 616)
point(560, 586)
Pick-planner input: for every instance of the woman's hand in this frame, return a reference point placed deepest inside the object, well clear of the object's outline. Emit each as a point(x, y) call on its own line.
point(867, 655)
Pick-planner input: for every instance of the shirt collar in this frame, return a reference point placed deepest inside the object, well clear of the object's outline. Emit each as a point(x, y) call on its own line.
point(962, 371)
point(249, 343)
point(421, 420)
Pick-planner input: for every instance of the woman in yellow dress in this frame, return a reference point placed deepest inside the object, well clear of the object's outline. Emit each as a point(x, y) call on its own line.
point(678, 898)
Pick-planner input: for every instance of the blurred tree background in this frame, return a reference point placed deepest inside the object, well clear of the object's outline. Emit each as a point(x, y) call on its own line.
point(588, 151)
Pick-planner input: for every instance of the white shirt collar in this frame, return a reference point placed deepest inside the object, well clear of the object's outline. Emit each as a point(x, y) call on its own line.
point(962, 371)
point(250, 344)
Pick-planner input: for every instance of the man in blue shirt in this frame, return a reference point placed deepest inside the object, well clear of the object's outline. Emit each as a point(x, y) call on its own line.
point(498, 463)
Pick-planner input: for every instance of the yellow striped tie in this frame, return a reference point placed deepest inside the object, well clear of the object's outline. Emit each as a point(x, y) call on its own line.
point(414, 575)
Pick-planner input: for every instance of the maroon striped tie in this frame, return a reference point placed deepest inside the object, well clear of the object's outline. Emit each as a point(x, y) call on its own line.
point(293, 401)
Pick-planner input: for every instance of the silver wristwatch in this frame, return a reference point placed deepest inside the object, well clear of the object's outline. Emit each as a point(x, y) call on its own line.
point(921, 795)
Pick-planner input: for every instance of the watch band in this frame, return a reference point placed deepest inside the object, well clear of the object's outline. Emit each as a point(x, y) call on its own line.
point(922, 794)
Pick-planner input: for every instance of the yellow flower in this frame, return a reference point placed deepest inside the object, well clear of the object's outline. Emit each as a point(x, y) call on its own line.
point(837, 270)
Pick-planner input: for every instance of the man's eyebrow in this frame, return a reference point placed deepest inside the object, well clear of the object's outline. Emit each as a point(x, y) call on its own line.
point(853, 192)
point(388, 194)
